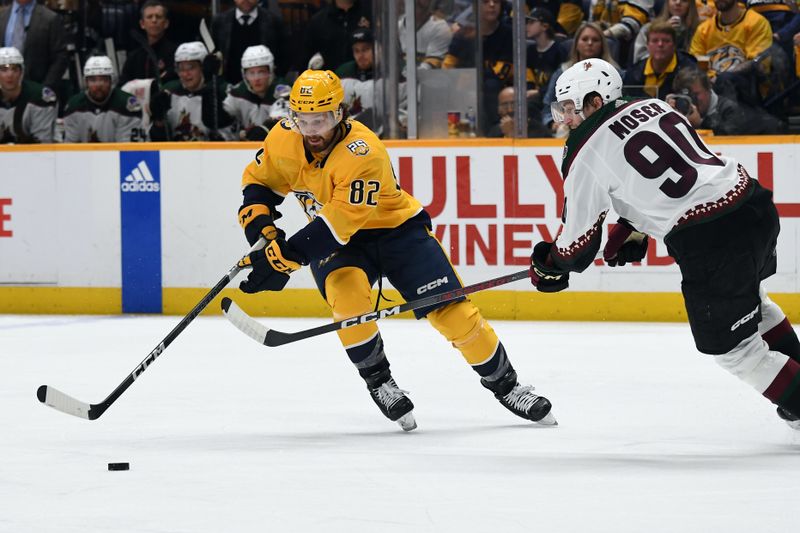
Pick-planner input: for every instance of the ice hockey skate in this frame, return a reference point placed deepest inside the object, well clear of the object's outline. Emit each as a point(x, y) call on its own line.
point(393, 403)
point(521, 400)
point(790, 419)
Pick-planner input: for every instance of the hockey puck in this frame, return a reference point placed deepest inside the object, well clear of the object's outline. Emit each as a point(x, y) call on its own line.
point(119, 466)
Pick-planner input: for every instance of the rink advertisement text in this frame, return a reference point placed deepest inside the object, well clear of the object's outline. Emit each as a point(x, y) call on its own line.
point(490, 203)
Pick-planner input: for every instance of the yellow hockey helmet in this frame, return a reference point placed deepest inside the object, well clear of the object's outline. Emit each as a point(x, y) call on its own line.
point(316, 91)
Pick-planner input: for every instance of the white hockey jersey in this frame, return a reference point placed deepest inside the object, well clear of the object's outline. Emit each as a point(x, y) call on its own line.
point(35, 112)
point(119, 119)
point(185, 115)
point(643, 160)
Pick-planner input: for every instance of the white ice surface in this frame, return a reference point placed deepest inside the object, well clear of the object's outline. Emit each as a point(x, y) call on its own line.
point(224, 435)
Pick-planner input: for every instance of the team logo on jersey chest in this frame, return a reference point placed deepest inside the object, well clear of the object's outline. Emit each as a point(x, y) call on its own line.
point(358, 147)
point(309, 203)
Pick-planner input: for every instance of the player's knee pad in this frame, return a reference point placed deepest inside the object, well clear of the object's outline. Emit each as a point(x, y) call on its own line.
point(753, 362)
point(461, 323)
point(349, 293)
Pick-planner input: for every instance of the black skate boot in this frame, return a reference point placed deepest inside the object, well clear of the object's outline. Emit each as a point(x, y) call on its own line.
point(520, 399)
point(793, 421)
point(390, 399)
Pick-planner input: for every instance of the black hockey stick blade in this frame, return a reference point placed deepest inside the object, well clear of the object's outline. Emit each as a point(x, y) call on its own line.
point(270, 337)
point(67, 404)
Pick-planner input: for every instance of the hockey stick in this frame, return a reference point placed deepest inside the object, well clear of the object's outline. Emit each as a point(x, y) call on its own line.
point(67, 404)
point(212, 49)
point(270, 337)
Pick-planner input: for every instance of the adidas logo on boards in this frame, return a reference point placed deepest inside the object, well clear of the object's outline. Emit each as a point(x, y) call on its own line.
point(140, 180)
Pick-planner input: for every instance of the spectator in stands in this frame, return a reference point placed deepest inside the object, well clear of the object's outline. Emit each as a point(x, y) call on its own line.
point(498, 54)
point(190, 108)
point(544, 55)
point(621, 22)
point(296, 15)
point(506, 125)
point(589, 42)
point(783, 20)
point(357, 75)
point(253, 101)
point(27, 109)
point(154, 20)
point(327, 43)
point(654, 76)
point(102, 113)
point(433, 35)
point(568, 13)
point(38, 34)
point(247, 25)
point(721, 114)
point(731, 38)
point(682, 15)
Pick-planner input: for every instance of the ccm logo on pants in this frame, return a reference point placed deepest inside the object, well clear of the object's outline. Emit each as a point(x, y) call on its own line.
point(432, 285)
point(746, 318)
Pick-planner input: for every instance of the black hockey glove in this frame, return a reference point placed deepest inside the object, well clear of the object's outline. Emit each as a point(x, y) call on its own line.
point(212, 66)
point(624, 245)
point(258, 220)
point(271, 267)
point(545, 276)
point(207, 113)
point(256, 133)
point(160, 103)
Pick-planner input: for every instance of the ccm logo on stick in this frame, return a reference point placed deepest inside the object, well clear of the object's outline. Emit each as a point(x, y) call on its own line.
point(432, 285)
point(371, 317)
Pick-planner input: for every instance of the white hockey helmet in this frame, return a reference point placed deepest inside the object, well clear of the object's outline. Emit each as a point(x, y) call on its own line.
point(100, 66)
point(11, 56)
point(257, 56)
point(191, 51)
point(582, 78)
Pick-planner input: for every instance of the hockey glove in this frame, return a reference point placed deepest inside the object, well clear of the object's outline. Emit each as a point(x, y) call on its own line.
point(160, 103)
point(625, 245)
point(545, 276)
point(212, 65)
point(258, 220)
point(271, 267)
point(256, 133)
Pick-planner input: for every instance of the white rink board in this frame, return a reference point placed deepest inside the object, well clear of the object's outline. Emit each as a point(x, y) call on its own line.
point(64, 216)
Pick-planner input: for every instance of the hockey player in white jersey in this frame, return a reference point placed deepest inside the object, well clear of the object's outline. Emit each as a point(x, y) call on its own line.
point(27, 109)
point(643, 160)
point(190, 108)
point(250, 102)
point(102, 113)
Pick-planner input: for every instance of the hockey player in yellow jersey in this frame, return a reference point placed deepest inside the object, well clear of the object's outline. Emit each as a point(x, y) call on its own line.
point(362, 227)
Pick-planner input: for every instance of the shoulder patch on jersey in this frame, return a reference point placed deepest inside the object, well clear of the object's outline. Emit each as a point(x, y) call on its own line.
point(358, 147)
point(48, 95)
point(285, 124)
point(133, 105)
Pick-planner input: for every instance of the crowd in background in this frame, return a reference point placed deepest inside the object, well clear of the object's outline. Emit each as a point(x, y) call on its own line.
point(114, 71)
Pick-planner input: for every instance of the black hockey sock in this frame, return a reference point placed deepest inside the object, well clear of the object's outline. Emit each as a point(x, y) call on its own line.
point(782, 338)
point(496, 366)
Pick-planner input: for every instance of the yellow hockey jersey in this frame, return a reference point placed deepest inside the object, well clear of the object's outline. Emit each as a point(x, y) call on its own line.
point(353, 188)
point(730, 46)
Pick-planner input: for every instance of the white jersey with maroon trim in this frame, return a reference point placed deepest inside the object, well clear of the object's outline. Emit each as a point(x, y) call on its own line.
point(645, 161)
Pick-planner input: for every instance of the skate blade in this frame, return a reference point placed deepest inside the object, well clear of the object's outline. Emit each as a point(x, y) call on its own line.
point(407, 422)
point(548, 420)
point(794, 424)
